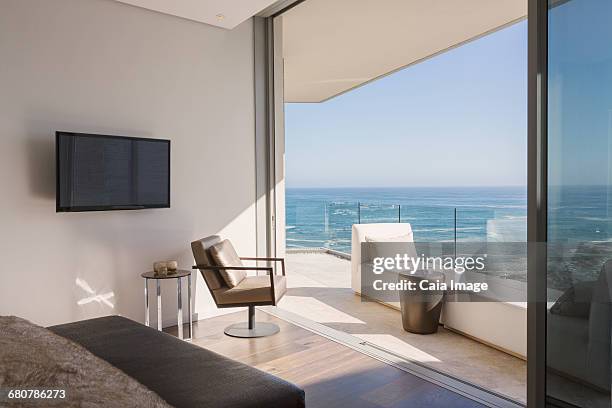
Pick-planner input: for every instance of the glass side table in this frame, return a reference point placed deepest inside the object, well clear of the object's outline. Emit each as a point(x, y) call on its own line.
point(178, 276)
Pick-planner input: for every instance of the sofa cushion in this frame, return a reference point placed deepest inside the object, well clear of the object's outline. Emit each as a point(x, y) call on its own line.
point(383, 246)
point(395, 238)
point(224, 254)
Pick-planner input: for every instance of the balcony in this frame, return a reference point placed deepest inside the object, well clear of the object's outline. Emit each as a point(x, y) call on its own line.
point(320, 290)
point(470, 349)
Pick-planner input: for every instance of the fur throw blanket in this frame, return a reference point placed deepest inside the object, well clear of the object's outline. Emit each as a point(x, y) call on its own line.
point(32, 357)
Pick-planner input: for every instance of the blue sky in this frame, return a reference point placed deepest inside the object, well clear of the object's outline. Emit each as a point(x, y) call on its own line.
point(458, 119)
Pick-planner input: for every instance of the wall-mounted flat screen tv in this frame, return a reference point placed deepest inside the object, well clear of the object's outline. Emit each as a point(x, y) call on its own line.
point(103, 172)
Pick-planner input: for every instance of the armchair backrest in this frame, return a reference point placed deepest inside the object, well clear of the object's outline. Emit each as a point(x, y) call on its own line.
point(201, 255)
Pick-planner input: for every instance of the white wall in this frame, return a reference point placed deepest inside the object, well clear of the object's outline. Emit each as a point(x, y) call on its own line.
point(104, 67)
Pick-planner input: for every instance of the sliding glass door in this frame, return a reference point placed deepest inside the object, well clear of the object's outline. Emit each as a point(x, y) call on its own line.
point(579, 271)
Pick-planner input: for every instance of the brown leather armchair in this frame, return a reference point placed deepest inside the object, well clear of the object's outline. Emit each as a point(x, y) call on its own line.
point(225, 277)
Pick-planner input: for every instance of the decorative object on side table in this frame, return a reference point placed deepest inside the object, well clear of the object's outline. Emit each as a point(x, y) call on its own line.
point(178, 274)
point(163, 268)
point(160, 268)
point(172, 267)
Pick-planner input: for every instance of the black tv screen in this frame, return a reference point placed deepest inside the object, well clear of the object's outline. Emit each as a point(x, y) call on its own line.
point(102, 172)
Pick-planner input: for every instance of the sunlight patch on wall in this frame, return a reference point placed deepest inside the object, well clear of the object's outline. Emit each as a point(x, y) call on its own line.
point(103, 298)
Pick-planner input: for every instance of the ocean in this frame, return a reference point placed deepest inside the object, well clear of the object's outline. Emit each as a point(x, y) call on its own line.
point(323, 217)
point(579, 220)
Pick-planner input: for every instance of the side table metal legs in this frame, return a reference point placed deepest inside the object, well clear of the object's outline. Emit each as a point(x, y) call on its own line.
point(189, 307)
point(147, 302)
point(159, 309)
point(179, 298)
point(180, 308)
point(179, 284)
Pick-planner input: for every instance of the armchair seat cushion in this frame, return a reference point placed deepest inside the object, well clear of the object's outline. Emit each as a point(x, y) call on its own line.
point(252, 289)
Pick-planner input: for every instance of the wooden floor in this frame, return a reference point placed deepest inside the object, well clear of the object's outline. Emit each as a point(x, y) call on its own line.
point(331, 374)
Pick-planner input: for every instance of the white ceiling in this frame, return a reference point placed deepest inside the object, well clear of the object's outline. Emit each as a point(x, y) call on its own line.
point(331, 46)
point(220, 13)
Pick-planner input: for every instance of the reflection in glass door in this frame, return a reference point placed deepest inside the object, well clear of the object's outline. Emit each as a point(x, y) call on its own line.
point(579, 276)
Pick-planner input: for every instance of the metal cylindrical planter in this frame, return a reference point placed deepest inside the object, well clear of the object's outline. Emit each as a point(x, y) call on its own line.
point(421, 308)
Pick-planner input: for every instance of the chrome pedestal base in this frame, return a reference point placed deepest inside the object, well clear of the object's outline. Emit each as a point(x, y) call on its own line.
point(260, 329)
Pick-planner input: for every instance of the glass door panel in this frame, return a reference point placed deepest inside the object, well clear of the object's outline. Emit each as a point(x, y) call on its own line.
point(579, 202)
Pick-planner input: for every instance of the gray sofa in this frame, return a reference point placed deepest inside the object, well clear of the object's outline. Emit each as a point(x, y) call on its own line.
point(183, 374)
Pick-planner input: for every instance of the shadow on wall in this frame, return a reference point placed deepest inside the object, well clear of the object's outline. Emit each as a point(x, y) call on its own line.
point(41, 166)
point(40, 148)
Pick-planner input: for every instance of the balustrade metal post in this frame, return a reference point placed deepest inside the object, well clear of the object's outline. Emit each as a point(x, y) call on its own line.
point(455, 232)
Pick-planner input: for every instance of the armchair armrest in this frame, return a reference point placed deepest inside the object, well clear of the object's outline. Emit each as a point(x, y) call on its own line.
point(265, 258)
point(268, 269)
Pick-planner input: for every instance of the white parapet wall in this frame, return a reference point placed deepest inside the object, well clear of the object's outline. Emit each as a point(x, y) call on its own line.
point(502, 325)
